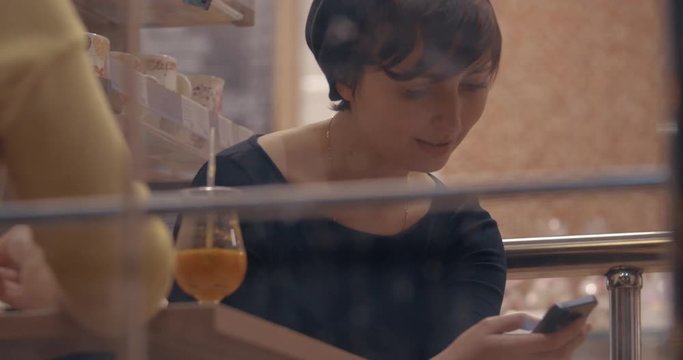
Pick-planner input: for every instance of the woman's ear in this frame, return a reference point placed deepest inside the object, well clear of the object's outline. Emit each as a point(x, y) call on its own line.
point(345, 91)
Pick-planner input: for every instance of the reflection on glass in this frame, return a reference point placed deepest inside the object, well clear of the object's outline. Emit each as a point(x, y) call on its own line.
point(211, 261)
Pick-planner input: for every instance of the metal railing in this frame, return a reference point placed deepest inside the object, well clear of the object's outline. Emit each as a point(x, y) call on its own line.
point(273, 202)
point(565, 256)
point(621, 258)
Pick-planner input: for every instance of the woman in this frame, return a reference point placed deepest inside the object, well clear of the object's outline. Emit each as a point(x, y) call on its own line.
point(408, 80)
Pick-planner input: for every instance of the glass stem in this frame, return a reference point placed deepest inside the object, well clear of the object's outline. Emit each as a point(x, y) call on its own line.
point(209, 302)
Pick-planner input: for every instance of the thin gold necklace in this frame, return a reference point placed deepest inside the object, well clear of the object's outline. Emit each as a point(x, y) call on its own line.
point(328, 133)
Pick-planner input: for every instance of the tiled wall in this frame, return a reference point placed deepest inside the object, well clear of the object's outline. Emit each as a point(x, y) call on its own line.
point(582, 89)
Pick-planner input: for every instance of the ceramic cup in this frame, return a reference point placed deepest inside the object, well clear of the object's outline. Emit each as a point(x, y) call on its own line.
point(208, 91)
point(163, 68)
point(98, 48)
point(184, 86)
point(127, 60)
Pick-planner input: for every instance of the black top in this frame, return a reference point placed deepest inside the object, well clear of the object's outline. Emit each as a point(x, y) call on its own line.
point(403, 296)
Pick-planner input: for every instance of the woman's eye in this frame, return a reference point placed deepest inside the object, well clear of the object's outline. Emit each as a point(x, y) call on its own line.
point(416, 93)
point(474, 86)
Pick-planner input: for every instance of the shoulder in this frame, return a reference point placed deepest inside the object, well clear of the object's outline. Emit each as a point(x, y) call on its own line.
point(297, 152)
point(242, 164)
point(469, 216)
point(49, 25)
point(471, 229)
point(50, 30)
point(463, 213)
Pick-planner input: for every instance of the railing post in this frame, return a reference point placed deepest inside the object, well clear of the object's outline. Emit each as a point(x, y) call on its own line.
point(624, 284)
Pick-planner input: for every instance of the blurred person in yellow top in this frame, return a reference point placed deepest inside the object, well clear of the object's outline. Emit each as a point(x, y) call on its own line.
point(58, 138)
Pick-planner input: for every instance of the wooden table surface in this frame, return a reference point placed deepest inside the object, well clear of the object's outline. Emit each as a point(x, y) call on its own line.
point(180, 331)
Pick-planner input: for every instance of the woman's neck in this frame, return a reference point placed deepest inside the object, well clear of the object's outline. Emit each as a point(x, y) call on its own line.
point(350, 156)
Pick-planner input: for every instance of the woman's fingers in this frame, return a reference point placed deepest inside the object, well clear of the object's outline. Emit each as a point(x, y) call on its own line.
point(9, 279)
point(20, 245)
point(5, 258)
point(9, 274)
point(507, 323)
point(13, 292)
point(565, 352)
point(563, 337)
point(10, 293)
point(16, 246)
point(543, 343)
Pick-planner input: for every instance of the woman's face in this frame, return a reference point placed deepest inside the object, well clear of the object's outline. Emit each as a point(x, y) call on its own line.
point(417, 124)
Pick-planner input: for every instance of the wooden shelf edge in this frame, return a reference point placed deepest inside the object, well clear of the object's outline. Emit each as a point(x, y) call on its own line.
point(167, 13)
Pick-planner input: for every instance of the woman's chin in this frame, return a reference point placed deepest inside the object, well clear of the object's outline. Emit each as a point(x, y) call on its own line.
point(430, 165)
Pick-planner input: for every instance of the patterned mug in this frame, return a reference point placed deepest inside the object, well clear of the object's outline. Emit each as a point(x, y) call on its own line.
point(208, 91)
point(126, 60)
point(184, 86)
point(163, 68)
point(98, 48)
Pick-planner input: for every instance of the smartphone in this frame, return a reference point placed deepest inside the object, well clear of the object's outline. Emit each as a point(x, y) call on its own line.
point(564, 313)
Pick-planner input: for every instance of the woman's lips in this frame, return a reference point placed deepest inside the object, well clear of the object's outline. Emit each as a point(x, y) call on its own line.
point(434, 148)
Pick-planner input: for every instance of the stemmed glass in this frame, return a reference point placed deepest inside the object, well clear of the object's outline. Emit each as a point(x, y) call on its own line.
point(210, 260)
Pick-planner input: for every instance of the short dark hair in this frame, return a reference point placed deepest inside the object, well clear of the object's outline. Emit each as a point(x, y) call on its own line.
point(347, 35)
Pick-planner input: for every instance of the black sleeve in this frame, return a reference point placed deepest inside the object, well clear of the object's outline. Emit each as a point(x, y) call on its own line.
point(229, 172)
point(475, 272)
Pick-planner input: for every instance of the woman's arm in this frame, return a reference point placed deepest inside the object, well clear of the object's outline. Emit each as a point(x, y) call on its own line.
point(472, 267)
point(58, 139)
point(476, 284)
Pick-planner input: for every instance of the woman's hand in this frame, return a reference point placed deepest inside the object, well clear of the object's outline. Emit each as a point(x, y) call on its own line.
point(487, 340)
point(26, 281)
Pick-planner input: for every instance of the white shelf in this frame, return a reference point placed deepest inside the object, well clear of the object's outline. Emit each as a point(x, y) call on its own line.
point(169, 13)
point(175, 153)
point(175, 129)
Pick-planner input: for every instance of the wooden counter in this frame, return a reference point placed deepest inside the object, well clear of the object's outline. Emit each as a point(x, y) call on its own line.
point(181, 331)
